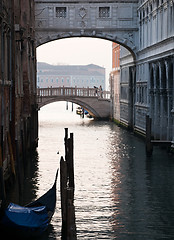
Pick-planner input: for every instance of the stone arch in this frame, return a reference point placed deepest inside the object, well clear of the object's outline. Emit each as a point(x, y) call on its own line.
point(91, 106)
point(131, 94)
point(82, 104)
point(157, 101)
point(155, 98)
point(169, 94)
point(170, 75)
point(157, 76)
point(125, 42)
point(151, 77)
point(152, 99)
point(163, 81)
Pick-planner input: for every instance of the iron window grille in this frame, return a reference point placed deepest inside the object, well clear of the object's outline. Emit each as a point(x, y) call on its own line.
point(104, 12)
point(61, 12)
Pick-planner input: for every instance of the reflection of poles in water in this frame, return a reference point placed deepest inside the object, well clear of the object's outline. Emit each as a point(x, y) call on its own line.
point(2, 186)
point(83, 112)
point(72, 107)
point(66, 105)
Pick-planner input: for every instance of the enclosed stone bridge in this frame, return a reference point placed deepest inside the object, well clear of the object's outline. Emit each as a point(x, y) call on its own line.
point(97, 103)
point(112, 20)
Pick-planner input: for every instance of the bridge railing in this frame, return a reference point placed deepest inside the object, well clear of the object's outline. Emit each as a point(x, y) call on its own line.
point(72, 92)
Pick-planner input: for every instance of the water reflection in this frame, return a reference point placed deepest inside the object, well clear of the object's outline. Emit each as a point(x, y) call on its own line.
point(120, 194)
point(142, 190)
point(28, 179)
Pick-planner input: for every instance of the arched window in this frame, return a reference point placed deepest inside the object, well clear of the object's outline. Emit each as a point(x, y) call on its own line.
point(157, 3)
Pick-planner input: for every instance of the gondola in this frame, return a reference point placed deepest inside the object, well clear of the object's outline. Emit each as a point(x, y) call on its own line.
point(33, 218)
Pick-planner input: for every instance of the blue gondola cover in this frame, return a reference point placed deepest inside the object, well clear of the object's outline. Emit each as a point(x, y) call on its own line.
point(30, 217)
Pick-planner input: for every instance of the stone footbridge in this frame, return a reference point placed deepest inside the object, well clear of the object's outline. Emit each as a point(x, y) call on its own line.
point(97, 103)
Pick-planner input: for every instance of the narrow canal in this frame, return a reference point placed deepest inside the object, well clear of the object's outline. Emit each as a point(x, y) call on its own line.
point(120, 194)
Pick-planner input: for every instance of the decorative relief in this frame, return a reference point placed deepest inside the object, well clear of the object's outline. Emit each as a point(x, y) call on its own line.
point(82, 12)
point(165, 5)
point(41, 23)
point(154, 13)
point(129, 36)
point(114, 18)
point(83, 24)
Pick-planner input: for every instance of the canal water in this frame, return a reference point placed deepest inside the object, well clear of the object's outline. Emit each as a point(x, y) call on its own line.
point(119, 192)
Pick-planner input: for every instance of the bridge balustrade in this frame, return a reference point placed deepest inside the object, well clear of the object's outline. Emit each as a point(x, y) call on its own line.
point(72, 92)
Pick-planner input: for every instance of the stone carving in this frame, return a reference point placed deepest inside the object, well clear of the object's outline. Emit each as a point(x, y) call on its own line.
point(85, 16)
point(83, 24)
point(82, 12)
point(129, 36)
point(39, 24)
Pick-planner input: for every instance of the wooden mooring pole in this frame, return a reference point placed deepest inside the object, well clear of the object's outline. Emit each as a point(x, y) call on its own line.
point(71, 225)
point(63, 194)
point(70, 160)
point(67, 190)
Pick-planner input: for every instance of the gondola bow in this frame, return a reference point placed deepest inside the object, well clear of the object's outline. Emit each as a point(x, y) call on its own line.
point(33, 218)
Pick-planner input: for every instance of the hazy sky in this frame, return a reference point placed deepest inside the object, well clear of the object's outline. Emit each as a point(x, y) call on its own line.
point(81, 51)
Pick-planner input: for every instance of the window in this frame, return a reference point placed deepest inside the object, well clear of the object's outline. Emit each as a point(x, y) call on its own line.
point(104, 12)
point(61, 12)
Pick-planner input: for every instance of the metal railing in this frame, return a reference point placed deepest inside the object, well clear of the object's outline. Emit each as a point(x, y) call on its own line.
point(72, 92)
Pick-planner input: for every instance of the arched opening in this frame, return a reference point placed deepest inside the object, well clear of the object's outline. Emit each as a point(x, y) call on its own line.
point(169, 99)
point(157, 79)
point(83, 104)
point(152, 98)
point(81, 58)
point(163, 76)
point(76, 65)
point(163, 103)
point(57, 22)
point(74, 49)
point(127, 44)
point(151, 78)
point(170, 80)
point(157, 102)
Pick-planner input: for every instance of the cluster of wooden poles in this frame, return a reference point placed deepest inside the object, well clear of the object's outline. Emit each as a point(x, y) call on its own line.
point(67, 187)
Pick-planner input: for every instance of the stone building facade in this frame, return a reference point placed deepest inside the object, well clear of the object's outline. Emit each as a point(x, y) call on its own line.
point(70, 75)
point(115, 81)
point(147, 81)
point(154, 82)
point(18, 113)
